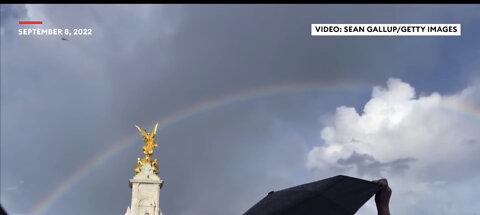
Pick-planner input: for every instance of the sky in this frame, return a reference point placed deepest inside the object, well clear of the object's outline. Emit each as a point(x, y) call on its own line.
point(247, 100)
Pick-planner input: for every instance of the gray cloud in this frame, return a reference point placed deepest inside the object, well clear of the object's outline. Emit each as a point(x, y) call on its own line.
point(366, 165)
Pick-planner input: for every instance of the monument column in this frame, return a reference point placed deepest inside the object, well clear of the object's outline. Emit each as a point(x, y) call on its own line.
point(146, 184)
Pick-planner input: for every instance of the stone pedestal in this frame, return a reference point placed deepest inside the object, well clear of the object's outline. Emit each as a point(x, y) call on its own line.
point(145, 193)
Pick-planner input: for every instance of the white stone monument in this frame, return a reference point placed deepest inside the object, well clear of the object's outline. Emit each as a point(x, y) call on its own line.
point(146, 184)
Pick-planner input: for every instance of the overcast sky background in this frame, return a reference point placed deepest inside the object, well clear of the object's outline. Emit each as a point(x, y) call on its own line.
point(64, 103)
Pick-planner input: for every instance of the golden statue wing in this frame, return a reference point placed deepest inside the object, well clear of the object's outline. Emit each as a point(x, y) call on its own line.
point(154, 132)
point(143, 131)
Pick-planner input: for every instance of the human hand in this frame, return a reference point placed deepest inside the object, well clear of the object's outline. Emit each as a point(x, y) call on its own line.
point(382, 197)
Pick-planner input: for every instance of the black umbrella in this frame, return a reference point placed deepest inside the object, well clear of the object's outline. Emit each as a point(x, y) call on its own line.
point(2, 212)
point(339, 195)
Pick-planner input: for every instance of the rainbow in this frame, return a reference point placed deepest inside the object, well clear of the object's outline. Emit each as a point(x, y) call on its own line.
point(462, 107)
point(199, 108)
point(178, 116)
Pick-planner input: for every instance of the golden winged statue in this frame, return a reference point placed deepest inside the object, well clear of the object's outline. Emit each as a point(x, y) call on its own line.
point(150, 144)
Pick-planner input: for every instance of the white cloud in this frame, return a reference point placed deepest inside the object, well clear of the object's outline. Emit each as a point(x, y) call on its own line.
point(427, 146)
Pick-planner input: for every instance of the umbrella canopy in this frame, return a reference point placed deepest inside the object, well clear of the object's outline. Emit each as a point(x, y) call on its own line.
point(339, 195)
point(2, 211)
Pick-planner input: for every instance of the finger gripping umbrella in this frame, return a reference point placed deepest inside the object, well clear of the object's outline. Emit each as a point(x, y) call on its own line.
point(339, 195)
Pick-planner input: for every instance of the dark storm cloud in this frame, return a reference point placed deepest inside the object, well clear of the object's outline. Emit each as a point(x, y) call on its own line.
point(73, 100)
